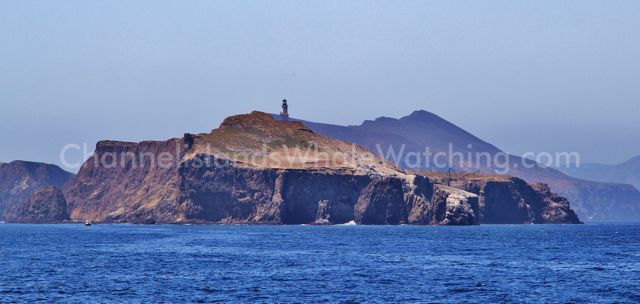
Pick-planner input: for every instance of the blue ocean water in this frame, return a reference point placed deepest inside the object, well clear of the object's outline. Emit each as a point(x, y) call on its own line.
point(299, 264)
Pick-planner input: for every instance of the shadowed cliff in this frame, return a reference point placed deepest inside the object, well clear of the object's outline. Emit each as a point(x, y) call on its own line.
point(20, 179)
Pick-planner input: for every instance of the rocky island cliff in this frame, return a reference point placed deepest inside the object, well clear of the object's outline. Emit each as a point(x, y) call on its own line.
point(44, 206)
point(19, 180)
point(254, 169)
point(504, 199)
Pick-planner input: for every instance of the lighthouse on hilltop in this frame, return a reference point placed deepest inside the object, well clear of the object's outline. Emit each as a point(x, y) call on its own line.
point(285, 110)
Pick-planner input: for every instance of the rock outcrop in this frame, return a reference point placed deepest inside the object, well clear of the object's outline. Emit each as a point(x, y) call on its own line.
point(510, 200)
point(446, 206)
point(553, 207)
point(46, 205)
point(256, 170)
point(20, 179)
point(513, 201)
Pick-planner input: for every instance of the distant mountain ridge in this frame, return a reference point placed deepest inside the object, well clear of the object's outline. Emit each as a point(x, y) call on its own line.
point(627, 172)
point(416, 131)
point(594, 201)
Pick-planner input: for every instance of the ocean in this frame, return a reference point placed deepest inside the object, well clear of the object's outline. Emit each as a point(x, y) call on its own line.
point(589, 263)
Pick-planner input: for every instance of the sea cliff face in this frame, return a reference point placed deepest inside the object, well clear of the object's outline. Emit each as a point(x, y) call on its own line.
point(125, 183)
point(510, 200)
point(235, 194)
point(513, 201)
point(271, 187)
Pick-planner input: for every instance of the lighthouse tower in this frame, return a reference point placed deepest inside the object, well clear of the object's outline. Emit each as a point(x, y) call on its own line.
point(285, 110)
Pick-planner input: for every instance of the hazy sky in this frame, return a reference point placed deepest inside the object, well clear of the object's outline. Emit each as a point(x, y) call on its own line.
point(527, 76)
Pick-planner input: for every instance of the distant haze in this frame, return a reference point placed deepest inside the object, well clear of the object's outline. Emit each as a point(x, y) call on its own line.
point(526, 76)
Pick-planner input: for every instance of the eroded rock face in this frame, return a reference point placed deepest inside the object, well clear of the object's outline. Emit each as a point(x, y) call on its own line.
point(46, 205)
point(555, 208)
point(381, 203)
point(459, 208)
point(434, 204)
point(513, 201)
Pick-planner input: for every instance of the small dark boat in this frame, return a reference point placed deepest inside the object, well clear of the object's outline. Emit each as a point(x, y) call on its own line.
point(87, 223)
